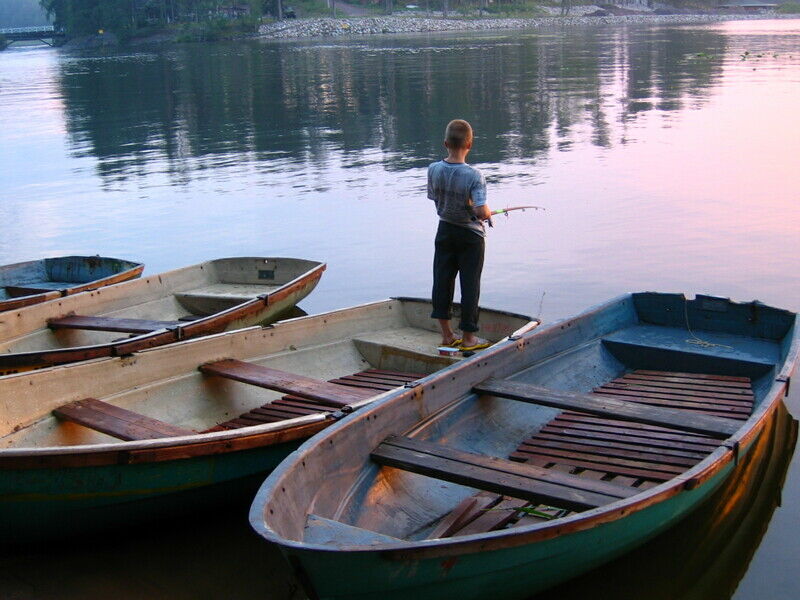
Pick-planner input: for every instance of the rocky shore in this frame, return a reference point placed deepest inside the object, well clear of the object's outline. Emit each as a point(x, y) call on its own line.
point(327, 27)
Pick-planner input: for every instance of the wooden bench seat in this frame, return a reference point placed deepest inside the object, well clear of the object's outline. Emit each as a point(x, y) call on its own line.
point(117, 422)
point(497, 475)
point(330, 394)
point(16, 291)
point(612, 407)
point(109, 324)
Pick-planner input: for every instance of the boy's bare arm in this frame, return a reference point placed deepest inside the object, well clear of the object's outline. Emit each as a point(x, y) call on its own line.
point(483, 212)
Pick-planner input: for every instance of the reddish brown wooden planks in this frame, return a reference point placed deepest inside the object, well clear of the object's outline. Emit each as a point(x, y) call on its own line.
point(109, 324)
point(117, 422)
point(323, 392)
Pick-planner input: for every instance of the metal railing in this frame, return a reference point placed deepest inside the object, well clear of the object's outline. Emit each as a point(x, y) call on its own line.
point(39, 29)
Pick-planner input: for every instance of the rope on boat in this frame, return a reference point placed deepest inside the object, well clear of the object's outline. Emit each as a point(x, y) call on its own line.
point(694, 339)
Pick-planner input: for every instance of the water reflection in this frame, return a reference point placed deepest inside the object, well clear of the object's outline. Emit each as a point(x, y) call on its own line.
point(705, 556)
point(282, 106)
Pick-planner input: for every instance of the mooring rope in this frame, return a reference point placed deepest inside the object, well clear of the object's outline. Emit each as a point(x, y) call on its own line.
point(694, 339)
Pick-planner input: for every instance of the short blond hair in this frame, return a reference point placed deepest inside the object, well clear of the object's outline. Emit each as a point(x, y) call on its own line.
point(458, 134)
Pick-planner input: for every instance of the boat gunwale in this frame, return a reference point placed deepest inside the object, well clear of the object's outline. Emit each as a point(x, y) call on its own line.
point(159, 337)
point(402, 550)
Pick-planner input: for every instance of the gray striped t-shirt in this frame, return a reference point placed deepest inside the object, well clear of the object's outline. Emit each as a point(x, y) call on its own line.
point(451, 186)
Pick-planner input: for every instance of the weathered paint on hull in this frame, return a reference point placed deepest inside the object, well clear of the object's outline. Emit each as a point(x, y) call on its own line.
point(71, 501)
point(509, 573)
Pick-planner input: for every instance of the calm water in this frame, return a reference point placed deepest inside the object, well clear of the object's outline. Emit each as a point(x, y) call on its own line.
point(666, 159)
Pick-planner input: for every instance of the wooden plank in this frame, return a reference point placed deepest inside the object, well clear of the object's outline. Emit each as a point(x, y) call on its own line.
point(117, 422)
point(688, 402)
point(465, 512)
point(610, 407)
point(708, 383)
point(495, 517)
point(109, 324)
point(692, 375)
point(16, 291)
point(366, 379)
point(323, 392)
point(591, 460)
point(743, 398)
point(413, 376)
point(628, 438)
point(605, 441)
point(639, 472)
point(640, 428)
point(496, 475)
point(674, 401)
point(300, 403)
point(602, 452)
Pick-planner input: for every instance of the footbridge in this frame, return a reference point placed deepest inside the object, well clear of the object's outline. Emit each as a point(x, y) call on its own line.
point(46, 34)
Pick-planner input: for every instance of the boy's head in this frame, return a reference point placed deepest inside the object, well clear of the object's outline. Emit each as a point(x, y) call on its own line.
point(458, 135)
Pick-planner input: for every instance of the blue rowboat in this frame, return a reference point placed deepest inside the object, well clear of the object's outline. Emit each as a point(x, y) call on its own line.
point(534, 461)
point(26, 283)
point(163, 431)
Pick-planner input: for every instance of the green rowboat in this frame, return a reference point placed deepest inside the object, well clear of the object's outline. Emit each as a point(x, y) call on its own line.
point(536, 460)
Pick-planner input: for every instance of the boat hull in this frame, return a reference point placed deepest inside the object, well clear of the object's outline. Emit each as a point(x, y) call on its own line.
point(38, 504)
point(518, 571)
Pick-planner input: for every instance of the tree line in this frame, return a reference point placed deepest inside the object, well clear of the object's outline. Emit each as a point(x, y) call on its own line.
point(125, 17)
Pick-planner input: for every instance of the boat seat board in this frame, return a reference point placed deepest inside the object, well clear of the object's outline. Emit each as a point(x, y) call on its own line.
point(331, 394)
point(290, 406)
point(611, 407)
point(110, 324)
point(496, 475)
point(37, 288)
point(645, 345)
point(117, 422)
point(616, 449)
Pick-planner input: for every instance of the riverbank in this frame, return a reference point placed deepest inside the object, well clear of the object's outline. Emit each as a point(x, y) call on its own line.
point(329, 27)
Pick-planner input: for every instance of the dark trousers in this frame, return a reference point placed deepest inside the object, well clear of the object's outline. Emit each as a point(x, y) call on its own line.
point(459, 251)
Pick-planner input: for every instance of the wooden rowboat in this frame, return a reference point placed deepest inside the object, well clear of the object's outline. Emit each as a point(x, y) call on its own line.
point(114, 441)
point(536, 460)
point(214, 296)
point(26, 283)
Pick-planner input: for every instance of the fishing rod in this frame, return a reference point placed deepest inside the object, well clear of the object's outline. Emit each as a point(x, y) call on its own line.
point(505, 211)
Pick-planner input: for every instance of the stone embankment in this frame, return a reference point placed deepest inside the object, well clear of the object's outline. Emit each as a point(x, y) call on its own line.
point(325, 27)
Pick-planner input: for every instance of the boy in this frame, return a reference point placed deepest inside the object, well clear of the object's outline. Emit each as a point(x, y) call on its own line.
point(459, 192)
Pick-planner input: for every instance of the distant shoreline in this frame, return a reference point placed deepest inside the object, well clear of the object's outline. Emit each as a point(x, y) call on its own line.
point(357, 26)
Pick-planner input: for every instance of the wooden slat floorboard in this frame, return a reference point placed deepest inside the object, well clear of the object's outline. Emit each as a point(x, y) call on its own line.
point(693, 375)
point(609, 407)
point(291, 406)
point(620, 449)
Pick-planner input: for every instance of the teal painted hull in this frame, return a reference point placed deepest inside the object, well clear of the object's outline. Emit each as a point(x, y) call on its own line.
point(515, 572)
point(65, 502)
